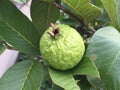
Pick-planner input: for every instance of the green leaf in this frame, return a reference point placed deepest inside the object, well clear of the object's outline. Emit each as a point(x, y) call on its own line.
point(83, 83)
point(70, 22)
point(26, 75)
point(84, 9)
point(2, 47)
point(104, 17)
point(17, 29)
point(55, 87)
point(104, 49)
point(43, 12)
point(112, 7)
point(96, 2)
point(86, 67)
point(20, 1)
point(96, 83)
point(63, 79)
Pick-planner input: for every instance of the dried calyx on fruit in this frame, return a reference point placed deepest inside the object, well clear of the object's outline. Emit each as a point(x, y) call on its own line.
point(62, 47)
point(55, 32)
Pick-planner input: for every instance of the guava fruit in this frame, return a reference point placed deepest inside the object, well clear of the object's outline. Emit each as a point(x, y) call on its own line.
point(62, 47)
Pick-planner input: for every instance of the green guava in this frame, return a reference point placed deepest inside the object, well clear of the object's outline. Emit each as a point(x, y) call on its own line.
point(62, 47)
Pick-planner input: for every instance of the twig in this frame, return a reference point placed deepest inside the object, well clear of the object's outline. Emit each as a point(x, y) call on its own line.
point(69, 13)
point(92, 29)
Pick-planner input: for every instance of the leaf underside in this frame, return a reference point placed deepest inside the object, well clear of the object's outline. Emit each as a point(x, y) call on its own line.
point(112, 7)
point(83, 9)
point(104, 49)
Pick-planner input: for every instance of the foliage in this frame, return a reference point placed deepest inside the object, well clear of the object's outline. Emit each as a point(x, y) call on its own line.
point(98, 21)
point(2, 46)
point(106, 55)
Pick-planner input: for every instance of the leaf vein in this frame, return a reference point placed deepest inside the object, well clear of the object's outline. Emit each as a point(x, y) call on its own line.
point(27, 75)
point(114, 60)
point(18, 33)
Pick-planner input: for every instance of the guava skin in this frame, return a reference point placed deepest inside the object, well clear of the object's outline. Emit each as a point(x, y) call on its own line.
point(65, 50)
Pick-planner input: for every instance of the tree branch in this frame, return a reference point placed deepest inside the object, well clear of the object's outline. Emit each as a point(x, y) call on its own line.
point(69, 13)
